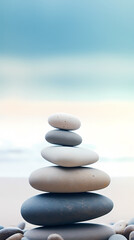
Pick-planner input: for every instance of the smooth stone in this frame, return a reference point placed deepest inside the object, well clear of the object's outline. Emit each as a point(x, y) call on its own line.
point(54, 236)
point(131, 236)
point(69, 156)
point(58, 208)
point(68, 180)
point(7, 232)
point(17, 236)
point(64, 121)
point(117, 237)
point(62, 137)
point(21, 225)
point(128, 230)
point(119, 226)
point(131, 221)
point(79, 231)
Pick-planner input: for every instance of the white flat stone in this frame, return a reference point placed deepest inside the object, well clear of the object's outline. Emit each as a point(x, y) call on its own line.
point(68, 180)
point(119, 226)
point(69, 156)
point(64, 121)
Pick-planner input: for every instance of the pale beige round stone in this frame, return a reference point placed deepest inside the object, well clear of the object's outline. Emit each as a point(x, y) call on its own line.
point(119, 226)
point(54, 236)
point(69, 156)
point(16, 236)
point(64, 121)
point(68, 180)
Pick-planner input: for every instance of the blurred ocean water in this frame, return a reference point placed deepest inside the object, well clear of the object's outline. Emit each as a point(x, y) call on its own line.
point(62, 78)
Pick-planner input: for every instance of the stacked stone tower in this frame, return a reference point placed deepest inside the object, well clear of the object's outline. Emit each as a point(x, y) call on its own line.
point(69, 200)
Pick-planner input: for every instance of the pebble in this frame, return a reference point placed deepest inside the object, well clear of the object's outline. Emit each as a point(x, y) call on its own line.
point(21, 225)
point(131, 236)
point(79, 231)
point(17, 236)
point(7, 232)
point(68, 180)
point(58, 208)
point(62, 137)
point(128, 230)
point(54, 236)
point(69, 156)
point(64, 121)
point(119, 226)
point(131, 221)
point(117, 237)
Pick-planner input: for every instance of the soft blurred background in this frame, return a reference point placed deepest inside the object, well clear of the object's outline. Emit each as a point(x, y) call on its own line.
point(72, 56)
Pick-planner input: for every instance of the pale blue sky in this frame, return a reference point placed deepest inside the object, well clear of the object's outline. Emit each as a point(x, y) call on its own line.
point(40, 27)
point(87, 30)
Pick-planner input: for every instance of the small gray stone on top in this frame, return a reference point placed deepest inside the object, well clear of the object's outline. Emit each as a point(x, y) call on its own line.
point(62, 137)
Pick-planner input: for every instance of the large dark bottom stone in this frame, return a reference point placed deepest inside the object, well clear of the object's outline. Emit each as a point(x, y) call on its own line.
point(78, 231)
point(58, 208)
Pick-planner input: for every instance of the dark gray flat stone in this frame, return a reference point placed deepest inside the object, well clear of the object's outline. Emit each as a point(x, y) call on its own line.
point(58, 209)
point(62, 137)
point(79, 231)
point(7, 232)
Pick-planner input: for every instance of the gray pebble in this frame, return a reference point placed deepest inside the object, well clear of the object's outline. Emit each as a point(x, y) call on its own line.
point(7, 232)
point(16, 236)
point(131, 236)
point(128, 230)
point(54, 237)
point(21, 225)
point(117, 237)
point(64, 138)
point(119, 226)
point(131, 221)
